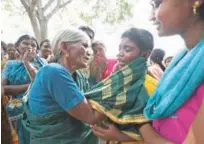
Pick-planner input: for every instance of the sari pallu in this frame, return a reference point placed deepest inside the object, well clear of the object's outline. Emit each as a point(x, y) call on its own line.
point(81, 81)
point(94, 73)
point(123, 96)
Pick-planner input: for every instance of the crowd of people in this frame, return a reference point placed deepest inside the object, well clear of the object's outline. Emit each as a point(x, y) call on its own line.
point(69, 92)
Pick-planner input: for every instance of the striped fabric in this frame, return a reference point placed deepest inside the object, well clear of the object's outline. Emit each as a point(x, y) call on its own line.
point(123, 96)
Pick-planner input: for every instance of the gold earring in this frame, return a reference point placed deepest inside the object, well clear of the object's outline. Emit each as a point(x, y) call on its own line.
point(195, 7)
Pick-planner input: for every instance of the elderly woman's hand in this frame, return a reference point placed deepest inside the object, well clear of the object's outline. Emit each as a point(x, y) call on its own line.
point(111, 132)
point(99, 116)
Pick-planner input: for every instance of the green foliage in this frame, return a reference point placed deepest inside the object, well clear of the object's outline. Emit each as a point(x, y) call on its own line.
point(13, 7)
point(87, 18)
point(105, 11)
point(111, 12)
point(7, 6)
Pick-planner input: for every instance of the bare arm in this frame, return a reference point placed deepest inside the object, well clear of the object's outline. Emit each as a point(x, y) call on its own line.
point(13, 89)
point(85, 113)
point(195, 134)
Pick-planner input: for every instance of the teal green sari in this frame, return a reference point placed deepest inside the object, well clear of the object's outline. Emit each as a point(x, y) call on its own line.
point(58, 127)
point(16, 74)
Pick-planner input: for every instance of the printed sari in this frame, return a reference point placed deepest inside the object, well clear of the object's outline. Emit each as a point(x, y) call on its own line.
point(57, 127)
point(16, 74)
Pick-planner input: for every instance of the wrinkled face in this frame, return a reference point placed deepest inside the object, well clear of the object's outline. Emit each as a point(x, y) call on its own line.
point(11, 52)
point(99, 50)
point(27, 45)
point(128, 51)
point(46, 50)
point(80, 53)
point(172, 16)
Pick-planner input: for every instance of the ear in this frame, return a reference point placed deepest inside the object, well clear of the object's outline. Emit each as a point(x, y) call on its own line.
point(64, 47)
point(145, 54)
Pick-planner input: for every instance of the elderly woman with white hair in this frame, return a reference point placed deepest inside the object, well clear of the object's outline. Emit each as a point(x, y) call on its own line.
point(57, 110)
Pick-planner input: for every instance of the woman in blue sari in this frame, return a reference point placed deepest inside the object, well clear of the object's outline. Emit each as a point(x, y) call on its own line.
point(16, 78)
point(57, 113)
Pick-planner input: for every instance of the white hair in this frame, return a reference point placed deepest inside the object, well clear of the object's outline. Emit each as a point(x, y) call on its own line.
point(67, 35)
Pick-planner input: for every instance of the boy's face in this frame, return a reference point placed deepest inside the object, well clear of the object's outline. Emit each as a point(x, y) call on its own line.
point(128, 51)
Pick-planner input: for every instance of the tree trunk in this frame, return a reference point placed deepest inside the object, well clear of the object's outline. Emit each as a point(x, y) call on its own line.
point(40, 27)
point(35, 25)
point(44, 28)
point(37, 18)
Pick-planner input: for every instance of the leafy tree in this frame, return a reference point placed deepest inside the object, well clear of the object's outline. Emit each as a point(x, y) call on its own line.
point(41, 11)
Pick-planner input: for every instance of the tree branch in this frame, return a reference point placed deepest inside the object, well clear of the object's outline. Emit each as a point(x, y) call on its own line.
point(37, 14)
point(65, 3)
point(33, 4)
point(57, 7)
point(48, 4)
point(25, 4)
point(39, 11)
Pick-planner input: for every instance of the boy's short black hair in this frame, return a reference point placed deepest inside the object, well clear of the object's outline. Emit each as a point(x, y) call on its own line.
point(141, 37)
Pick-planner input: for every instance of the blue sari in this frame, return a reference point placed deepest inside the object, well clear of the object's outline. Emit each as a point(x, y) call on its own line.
point(16, 74)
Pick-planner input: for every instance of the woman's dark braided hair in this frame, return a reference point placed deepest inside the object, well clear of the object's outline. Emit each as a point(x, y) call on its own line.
point(141, 37)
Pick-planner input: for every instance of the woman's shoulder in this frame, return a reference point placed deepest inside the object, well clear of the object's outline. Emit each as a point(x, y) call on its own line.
point(40, 61)
point(155, 67)
point(13, 63)
point(10, 62)
point(53, 69)
point(53, 66)
point(44, 61)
